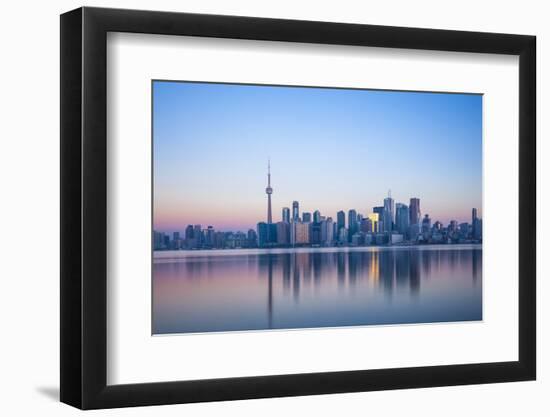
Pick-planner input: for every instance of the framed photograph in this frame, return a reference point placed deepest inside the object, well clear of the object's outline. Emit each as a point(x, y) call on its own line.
point(257, 208)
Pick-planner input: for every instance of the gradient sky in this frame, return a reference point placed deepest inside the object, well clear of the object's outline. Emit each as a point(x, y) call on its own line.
point(330, 149)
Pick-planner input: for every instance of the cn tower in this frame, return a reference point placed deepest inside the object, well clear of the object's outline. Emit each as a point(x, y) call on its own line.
point(269, 191)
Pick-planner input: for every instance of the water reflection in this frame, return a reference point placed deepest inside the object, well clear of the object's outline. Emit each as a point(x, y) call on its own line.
point(254, 289)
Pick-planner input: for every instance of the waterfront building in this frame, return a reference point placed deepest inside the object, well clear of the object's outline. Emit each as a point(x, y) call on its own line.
point(299, 233)
point(402, 218)
point(366, 225)
point(315, 233)
point(252, 238)
point(286, 214)
point(340, 220)
point(295, 211)
point(414, 211)
point(283, 233)
point(374, 220)
point(352, 223)
point(389, 210)
point(327, 232)
point(267, 234)
point(316, 216)
point(158, 240)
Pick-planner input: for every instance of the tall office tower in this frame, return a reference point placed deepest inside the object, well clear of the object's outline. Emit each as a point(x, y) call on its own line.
point(209, 237)
point(295, 211)
point(389, 213)
point(189, 232)
point(286, 214)
point(283, 233)
point(197, 232)
point(374, 219)
point(381, 220)
point(327, 232)
point(158, 240)
point(316, 216)
point(353, 226)
point(366, 225)
point(476, 225)
point(269, 191)
point(453, 226)
point(252, 237)
point(340, 220)
point(426, 224)
point(299, 233)
point(402, 218)
point(315, 233)
point(263, 234)
point(306, 217)
point(414, 211)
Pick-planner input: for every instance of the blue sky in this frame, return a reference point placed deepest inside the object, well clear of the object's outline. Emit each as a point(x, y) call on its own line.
point(330, 149)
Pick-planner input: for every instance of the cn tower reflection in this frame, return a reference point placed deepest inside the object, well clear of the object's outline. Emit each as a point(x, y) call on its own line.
point(293, 289)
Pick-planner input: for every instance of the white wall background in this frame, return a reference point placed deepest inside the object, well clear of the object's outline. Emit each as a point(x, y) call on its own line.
point(29, 177)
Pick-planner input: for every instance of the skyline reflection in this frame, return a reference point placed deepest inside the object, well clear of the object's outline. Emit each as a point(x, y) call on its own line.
point(282, 289)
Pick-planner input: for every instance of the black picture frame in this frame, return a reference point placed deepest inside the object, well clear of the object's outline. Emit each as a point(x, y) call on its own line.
point(84, 207)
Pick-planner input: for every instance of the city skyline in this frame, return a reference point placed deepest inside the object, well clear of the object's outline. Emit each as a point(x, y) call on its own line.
point(387, 224)
point(208, 154)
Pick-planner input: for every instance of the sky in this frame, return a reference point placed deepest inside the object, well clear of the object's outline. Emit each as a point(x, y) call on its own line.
point(330, 149)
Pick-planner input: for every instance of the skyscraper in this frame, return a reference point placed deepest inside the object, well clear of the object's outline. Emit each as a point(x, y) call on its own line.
point(353, 226)
point(374, 219)
point(402, 218)
point(295, 211)
point(380, 221)
point(286, 214)
point(389, 213)
point(269, 191)
point(340, 220)
point(306, 217)
point(414, 211)
point(283, 233)
point(316, 216)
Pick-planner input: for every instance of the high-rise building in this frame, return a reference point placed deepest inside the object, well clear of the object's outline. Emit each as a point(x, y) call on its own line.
point(327, 232)
point(252, 237)
point(189, 232)
point(286, 214)
point(158, 240)
point(283, 233)
point(381, 221)
point(389, 213)
point(197, 233)
point(209, 237)
point(402, 218)
point(299, 233)
point(366, 225)
point(316, 216)
point(315, 233)
point(269, 191)
point(476, 225)
point(340, 220)
point(306, 217)
point(426, 224)
point(374, 219)
point(414, 211)
point(295, 211)
point(352, 223)
point(267, 234)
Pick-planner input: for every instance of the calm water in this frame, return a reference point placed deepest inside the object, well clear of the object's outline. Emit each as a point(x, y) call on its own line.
point(205, 291)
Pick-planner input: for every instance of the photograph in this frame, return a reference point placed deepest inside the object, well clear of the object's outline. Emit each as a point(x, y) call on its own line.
point(300, 207)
